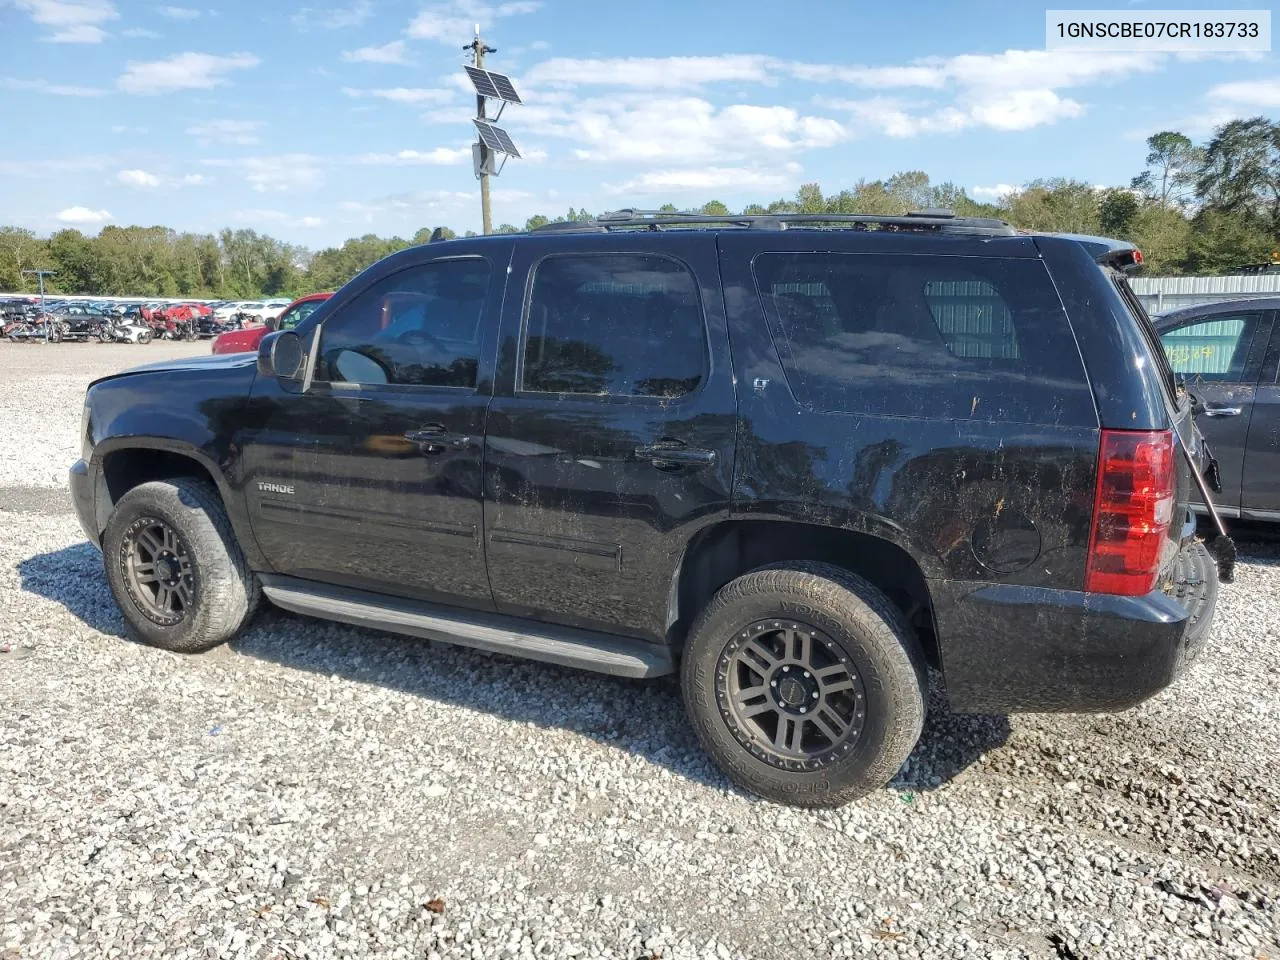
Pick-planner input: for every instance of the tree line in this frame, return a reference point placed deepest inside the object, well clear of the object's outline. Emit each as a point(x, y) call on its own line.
point(1194, 209)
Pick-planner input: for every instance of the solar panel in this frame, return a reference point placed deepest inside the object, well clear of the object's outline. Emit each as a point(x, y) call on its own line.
point(504, 87)
point(496, 139)
point(508, 145)
point(483, 84)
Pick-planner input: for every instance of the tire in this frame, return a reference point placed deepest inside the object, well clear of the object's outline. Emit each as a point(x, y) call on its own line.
point(858, 639)
point(221, 592)
point(105, 335)
point(145, 337)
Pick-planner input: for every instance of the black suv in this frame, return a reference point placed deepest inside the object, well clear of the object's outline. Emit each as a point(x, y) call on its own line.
point(796, 458)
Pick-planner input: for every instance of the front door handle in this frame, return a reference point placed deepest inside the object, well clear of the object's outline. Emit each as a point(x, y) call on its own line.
point(666, 454)
point(1223, 411)
point(435, 439)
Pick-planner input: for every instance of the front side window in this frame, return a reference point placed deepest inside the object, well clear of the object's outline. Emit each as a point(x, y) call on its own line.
point(623, 325)
point(1216, 349)
point(961, 338)
point(418, 327)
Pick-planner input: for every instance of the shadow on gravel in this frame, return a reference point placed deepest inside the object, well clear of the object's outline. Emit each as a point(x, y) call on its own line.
point(642, 717)
point(73, 577)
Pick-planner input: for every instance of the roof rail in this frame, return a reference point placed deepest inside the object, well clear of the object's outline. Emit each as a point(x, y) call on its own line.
point(936, 221)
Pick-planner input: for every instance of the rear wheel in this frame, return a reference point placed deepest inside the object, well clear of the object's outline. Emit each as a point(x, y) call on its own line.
point(105, 335)
point(175, 568)
point(805, 684)
point(145, 336)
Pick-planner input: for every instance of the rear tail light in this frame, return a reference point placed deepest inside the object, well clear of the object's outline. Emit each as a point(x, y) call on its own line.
point(1132, 510)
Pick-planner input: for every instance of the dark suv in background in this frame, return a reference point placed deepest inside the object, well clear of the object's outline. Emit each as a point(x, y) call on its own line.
point(797, 458)
point(1228, 355)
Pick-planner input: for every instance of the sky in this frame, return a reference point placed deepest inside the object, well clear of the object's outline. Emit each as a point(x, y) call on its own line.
point(336, 118)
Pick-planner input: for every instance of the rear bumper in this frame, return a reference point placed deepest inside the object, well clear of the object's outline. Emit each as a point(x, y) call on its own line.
point(1008, 648)
point(84, 499)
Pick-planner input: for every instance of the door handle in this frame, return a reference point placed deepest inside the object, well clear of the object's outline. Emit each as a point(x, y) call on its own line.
point(1223, 411)
point(666, 454)
point(434, 439)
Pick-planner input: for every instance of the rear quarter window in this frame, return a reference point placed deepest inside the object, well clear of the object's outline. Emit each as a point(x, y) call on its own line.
point(959, 338)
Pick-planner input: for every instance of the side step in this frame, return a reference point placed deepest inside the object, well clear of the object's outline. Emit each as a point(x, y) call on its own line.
point(582, 649)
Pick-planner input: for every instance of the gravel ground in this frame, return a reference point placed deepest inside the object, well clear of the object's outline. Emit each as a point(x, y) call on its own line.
point(315, 790)
point(42, 388)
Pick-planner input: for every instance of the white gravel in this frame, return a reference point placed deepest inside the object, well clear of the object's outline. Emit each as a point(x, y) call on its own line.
point(320, 791)
point(42, 393)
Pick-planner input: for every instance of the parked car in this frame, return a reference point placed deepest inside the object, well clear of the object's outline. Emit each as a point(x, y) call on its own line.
point(239, 341)
point(1228, 354)
point(794, 461)
point(271, 309)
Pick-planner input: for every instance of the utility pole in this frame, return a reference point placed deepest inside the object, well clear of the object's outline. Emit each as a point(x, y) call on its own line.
point(478, 50)
point(41, 274)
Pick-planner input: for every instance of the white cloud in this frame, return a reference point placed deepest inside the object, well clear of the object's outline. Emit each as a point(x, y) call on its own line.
point(277, 173)
point(995, 193)
point(1248, 93)
point(334, 18)
point(410, 95)
point(44, 86)
point(539, 45)
point(311, 221)
point(182, 71)
point(1024, 109)
point(82, 215)
point(48, 169)
point(653, 72)
point(242, 132)
point(194, 180)
point(140, 33)
point(703, 179)
point(393, 52)
point(440, 156)
point(684, 130)
point(178, 13)
point(72, 21)
point(455, 22)
point(138, 178)
point(277, 216)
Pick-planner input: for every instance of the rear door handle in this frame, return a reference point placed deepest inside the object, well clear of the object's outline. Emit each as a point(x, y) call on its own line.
point(1223, 411)
point(666, 454)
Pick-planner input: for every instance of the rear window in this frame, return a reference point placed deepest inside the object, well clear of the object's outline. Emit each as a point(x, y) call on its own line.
point(961, 338)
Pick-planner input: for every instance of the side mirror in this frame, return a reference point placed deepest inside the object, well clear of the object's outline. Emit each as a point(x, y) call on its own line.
point(280, 354)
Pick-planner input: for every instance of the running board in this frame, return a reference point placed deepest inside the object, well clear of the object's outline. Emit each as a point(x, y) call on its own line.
point(582, 649)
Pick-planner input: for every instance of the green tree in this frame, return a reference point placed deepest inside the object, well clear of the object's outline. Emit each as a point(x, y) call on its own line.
point(1240, 173)
point(1163, 235)
point(1221, 240)
point(714, 208)
point(21, 249)
point(1117, 211)
point(809, 199)
point(1172, 160)
point(1058, 205)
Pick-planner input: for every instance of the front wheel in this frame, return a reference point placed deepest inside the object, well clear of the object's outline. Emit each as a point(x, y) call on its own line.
point(175, 568)
point(805, 684)
point(105, 335)
point(145, 336)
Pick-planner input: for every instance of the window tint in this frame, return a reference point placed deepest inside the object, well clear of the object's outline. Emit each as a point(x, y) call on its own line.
point(616, 325)
point(966, 338)
point(419, 327)
point(1215, 349)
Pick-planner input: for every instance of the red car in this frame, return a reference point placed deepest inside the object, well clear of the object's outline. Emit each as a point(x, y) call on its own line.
point(243, 341)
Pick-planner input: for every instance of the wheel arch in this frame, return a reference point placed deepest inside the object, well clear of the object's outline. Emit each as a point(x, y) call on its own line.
point(122, 463)
point(724, 551)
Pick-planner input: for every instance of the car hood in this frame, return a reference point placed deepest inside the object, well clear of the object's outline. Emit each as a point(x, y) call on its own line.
point(200, 363)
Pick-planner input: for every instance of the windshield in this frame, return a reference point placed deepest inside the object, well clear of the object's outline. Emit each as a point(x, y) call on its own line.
point(299, 313)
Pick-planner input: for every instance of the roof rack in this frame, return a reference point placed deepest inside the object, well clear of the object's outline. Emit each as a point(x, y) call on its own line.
point(935, 221)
